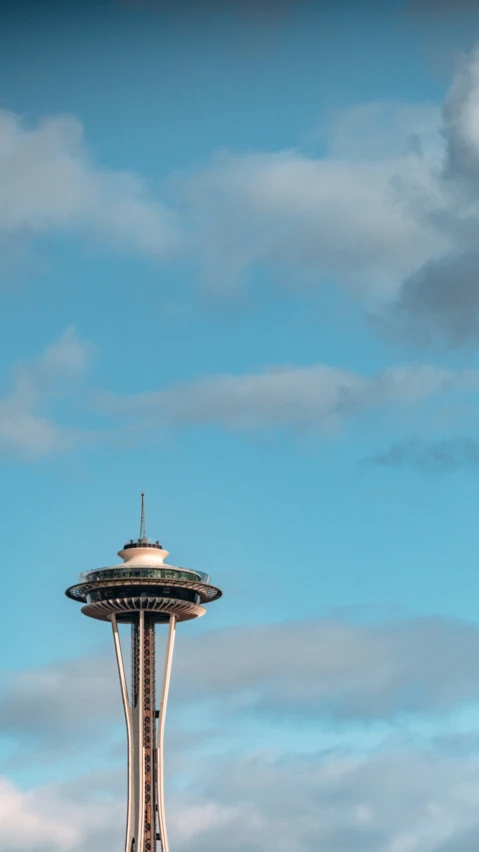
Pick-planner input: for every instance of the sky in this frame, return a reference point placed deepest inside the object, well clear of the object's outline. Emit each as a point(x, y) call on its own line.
point(239, 271)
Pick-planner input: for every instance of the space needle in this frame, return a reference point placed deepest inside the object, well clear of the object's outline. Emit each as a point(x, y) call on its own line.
point(144, 591)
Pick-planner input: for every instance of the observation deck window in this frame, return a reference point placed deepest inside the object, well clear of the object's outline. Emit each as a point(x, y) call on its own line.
point(146, 573)
point(175, 593)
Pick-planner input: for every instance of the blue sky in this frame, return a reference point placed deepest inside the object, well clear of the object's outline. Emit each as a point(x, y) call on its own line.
point(238, 270)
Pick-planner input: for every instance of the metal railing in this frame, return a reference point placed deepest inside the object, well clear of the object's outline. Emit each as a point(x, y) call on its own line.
point(146, 573)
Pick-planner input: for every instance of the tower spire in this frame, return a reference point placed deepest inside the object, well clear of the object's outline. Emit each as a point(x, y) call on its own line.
point(143, 522)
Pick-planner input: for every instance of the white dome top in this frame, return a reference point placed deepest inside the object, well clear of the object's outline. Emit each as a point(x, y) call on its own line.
point(139, 557)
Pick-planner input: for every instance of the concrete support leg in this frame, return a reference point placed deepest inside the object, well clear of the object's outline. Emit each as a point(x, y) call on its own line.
point(130, 814)
point(160, 774)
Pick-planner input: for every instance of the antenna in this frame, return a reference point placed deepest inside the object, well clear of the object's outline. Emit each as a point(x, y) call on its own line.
point(143, 522)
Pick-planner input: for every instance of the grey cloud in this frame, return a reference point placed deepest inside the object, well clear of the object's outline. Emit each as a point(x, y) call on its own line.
point(316, 397)
point(328, 668)
point(60, 705)
point(461, 122)
point(430, 456)
point(340, 669)
point(439, 301)
point(439, 304)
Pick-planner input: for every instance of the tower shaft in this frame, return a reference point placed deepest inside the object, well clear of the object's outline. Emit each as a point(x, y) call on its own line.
point(146, 824)
point(143, 677)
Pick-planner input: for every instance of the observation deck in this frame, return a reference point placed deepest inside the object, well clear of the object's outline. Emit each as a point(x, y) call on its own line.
point(143, 582)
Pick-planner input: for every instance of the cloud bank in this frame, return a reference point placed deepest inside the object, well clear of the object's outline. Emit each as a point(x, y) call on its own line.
point(390, 214)
point(404, 794)
point(324, 668)
point(410, 800)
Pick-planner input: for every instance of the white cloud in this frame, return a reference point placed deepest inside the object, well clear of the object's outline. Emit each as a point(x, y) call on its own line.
point(388, 209)
point(49, 183)
point(25, 824)
point(26, 429)
point(404, 801)
point(390, 802)
point(345, 215)
point(359, 222)
point(56, 817)
point(362, 213)
point(312, 400)
point(407, 800)
point(316, 397)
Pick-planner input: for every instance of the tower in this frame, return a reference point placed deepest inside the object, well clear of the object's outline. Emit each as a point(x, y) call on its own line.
point(144, 591)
